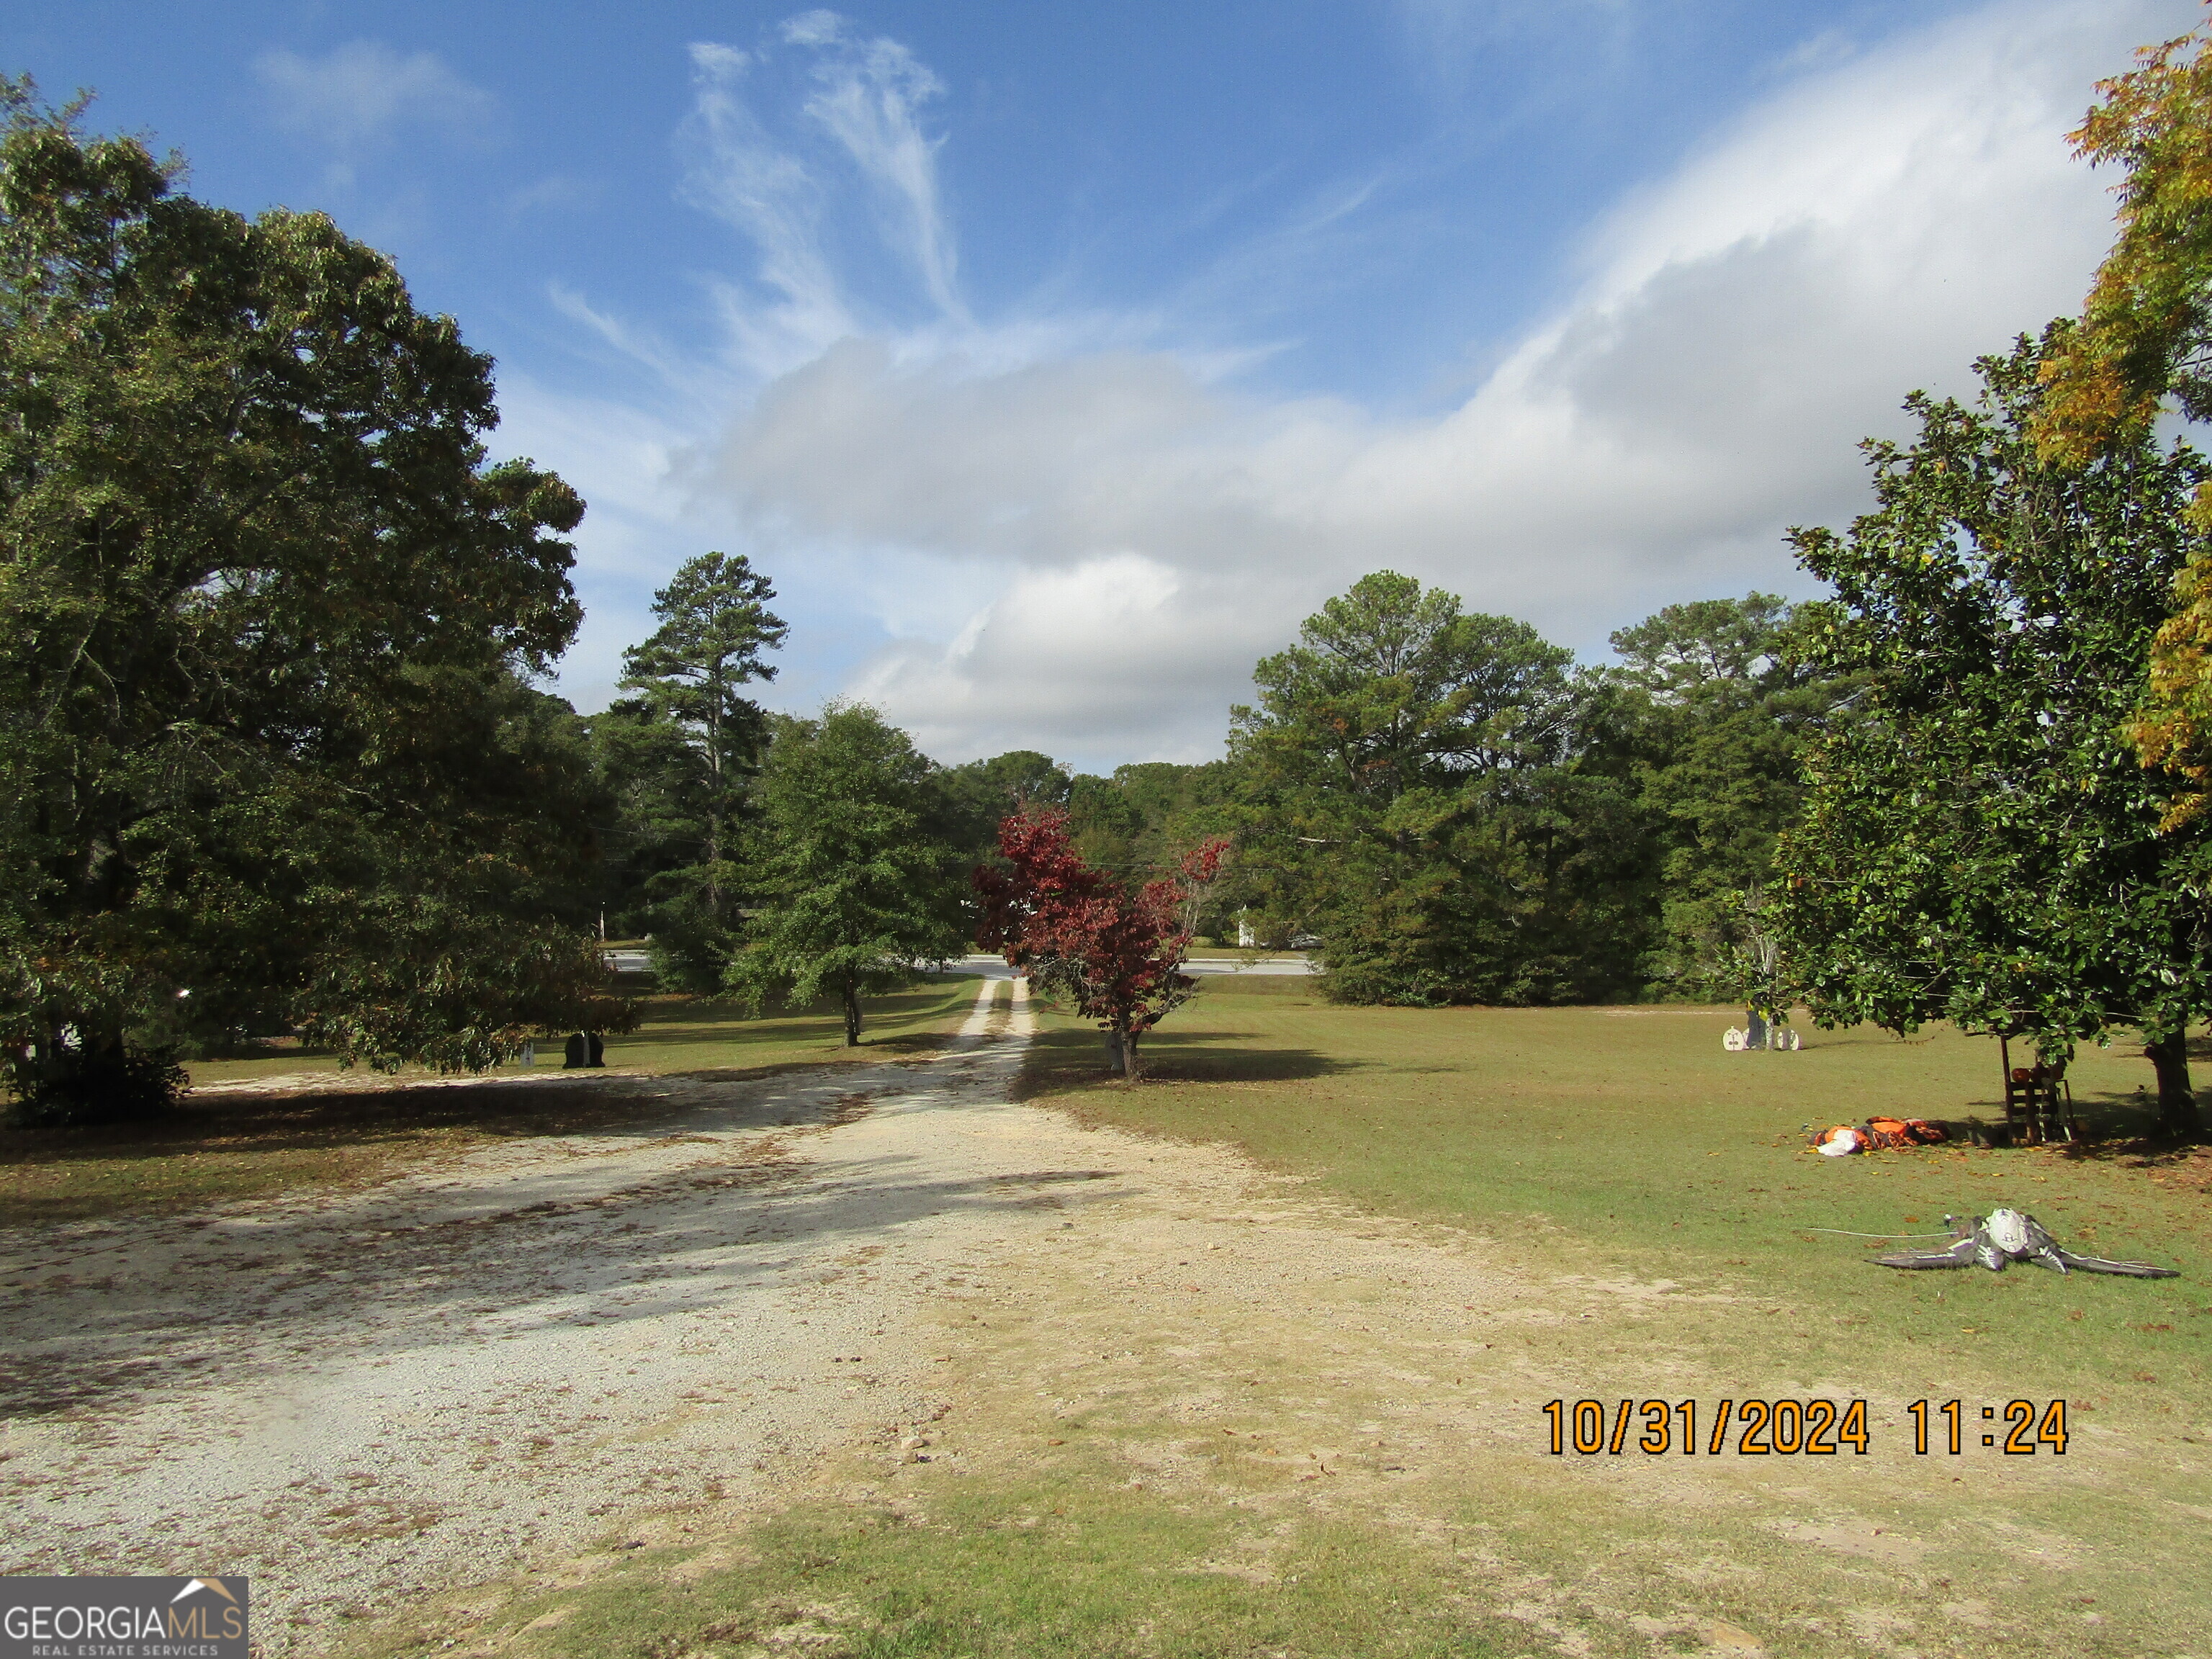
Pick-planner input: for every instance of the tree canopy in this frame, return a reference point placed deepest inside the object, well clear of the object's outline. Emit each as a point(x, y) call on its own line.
point(978, 795)
point(859, 893)
point(1979, 843)
point(2145, 333)
point(265, 616)
point(2146, 328)
point(1429, 792)
point(1727, 702)
point(684, 750)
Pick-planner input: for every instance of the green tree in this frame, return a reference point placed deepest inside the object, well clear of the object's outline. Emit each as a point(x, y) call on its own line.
point(1148, 816)
point(1723, 707)
point(264, 614)
point(977, 795)
point(860, 894)
point(1980, 843)
point(689, 800)
point(1415, 793)
point(654, 831)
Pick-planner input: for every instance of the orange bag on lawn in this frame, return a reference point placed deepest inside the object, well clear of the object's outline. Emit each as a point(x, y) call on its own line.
point(1894, 1133)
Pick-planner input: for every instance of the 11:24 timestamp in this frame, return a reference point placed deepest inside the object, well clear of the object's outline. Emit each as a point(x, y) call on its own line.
point(2026, 1429)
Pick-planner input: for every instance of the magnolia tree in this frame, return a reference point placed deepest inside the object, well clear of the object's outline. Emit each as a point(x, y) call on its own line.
point(1980, 844)
point(1079, 933)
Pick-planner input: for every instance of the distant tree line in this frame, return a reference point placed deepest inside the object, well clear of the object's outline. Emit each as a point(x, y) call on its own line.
point(1460, 814)
point(1441, 800)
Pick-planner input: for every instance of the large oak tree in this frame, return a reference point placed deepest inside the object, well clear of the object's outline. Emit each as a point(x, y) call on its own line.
point(266, 616)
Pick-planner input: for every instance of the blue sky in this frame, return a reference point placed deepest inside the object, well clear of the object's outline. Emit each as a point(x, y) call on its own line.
point(1055, 361)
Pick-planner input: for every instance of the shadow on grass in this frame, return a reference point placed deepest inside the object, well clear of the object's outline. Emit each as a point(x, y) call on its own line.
point(338, 1120)
point(327, 1118)
point(2114, 1127)
point(895, 1042)
point(232, 1140)
point(672, 1020)
point(1065, 1058)
point(2122, 1129)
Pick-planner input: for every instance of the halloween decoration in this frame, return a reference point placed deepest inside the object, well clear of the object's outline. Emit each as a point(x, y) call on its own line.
point(2006, 1235)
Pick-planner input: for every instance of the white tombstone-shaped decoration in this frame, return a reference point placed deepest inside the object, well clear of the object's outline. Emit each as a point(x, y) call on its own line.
point(1732, 1040)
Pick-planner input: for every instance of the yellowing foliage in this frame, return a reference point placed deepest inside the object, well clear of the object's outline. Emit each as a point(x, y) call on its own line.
point(2146, 331)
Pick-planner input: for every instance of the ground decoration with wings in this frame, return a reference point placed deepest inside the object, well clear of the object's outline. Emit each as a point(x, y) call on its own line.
point(2006, 1235)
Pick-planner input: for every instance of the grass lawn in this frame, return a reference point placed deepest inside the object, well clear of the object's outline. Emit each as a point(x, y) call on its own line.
point(1072, 1564)
point(1627, 1141)
point(271, 1137)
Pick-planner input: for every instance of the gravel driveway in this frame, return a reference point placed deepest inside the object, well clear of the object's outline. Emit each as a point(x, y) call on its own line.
point(355, 1398)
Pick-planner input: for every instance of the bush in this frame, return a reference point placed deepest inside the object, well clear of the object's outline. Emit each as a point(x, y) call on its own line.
point(688, 953)
point(113, 1084)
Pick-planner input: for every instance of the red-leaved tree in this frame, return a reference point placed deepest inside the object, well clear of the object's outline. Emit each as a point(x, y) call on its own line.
point(1081, 933)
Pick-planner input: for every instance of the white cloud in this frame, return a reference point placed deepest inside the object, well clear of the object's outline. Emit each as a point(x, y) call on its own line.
point(820, 27)
point(1050, 533)
point(1083, 654)
point(556, 191)
point(1732, 333)
point(360, 92)
point(618, 459)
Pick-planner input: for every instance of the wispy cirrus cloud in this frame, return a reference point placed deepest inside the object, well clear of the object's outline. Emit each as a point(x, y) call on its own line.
point(1737, 327)
point(362, 91)
point(739, 172)
point(789, 190)
point(868, 97)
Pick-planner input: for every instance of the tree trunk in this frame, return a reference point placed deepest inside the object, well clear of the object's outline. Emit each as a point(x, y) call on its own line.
point(1130, 1070)
point(714, 865)
point(714, 799)
point(2176, 1101)
point(851, 1014)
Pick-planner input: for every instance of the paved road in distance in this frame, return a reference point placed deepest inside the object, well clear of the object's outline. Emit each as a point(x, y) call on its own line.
point(987, 967)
